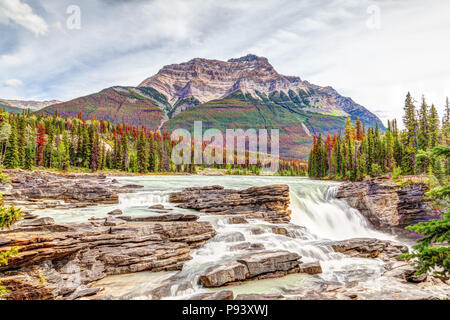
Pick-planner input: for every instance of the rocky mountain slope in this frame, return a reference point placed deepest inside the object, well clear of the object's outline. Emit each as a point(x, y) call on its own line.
point(15, 105)
point(246, 92)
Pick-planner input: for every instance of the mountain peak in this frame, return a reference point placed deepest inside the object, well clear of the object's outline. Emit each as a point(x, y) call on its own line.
point(249, 58)
point(205, 80)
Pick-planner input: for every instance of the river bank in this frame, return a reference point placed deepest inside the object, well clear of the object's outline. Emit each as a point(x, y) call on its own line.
point(183, 235)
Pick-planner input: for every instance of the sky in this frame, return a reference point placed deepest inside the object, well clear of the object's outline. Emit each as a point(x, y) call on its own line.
point(372, 51)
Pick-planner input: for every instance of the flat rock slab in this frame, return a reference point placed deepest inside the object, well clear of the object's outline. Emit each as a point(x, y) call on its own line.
point(57, 190)
point(270, 203)
point(259, 265)
point(370, 248)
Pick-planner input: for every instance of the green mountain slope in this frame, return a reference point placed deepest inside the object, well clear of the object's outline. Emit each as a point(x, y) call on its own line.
point(135, 106)
point(242, 111)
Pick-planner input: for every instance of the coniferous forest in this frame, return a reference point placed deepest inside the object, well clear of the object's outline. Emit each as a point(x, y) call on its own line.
point(30, 141)
point(359, 152)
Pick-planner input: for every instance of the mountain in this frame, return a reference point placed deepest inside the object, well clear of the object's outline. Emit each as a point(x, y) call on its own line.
point(19, 105)
point(246, 92)
point(137, 106)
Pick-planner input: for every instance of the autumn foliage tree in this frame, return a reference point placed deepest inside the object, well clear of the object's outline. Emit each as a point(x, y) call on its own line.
point(40, 142)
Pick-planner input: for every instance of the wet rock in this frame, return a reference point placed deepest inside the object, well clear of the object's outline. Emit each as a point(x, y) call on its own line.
point(311, 268)
point(87, 292)
point(258, 296)
point(231, 237)
point(370, 248)
point(161, 217)
point(29, 216)
point(387, 205)
point(221, 295)
point(237, 220)
point(44, 221)
point(257, 231)
point(35, 189)
point(271, 261)
point(82, 253)
point(157, 206)
point(223, 274)
point(270, 203)
point(132, 186)
point(115, 212)
point(111, 221)
point(246, 246)
point(261, 265)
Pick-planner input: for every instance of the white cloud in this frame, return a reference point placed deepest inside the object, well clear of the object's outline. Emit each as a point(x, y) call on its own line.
point(12, 83)
point(326, 42)
point(22, 14)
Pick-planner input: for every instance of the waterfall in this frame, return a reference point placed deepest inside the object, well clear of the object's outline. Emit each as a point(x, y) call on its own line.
point(317, 219)
point(330, 218)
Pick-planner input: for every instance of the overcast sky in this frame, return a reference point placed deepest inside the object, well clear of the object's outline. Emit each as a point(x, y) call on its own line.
point(372, 51)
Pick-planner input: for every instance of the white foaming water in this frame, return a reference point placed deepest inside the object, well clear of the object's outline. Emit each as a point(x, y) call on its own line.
point(330, 218)
point(317, 218)
point(142, 199)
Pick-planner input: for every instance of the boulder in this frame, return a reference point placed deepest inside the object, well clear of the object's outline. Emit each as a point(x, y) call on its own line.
point(157, 206)
point(111, 221)
point(237, 220)
point(44, 221)
point(115, 212)
point(311, 268)
point(261, 265)
point(223, 274)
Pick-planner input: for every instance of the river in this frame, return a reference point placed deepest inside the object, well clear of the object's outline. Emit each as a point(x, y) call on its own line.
point(317, 218)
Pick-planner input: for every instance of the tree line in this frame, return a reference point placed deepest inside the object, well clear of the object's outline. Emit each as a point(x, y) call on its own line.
point(29, 141)
point(359, 152)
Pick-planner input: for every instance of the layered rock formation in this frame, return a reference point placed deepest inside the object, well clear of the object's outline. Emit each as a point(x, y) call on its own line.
point(39, 189)
point(201, 80)
point(270, 203)
point(370, 248)
point(387, 205)
point(206, 80)
point(263, 265)
point(60, 262)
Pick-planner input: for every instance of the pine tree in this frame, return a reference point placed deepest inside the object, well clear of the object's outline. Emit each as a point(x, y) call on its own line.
point(142, 154)
point(11, 157)
point(410, 137)
point(29, 157)
point(433, 125)
point(95, 151)
point(423, 138)
point(22, 140)
point(124, 152)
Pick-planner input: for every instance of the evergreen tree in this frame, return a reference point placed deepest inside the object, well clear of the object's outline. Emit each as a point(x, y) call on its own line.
point(11, 157)
point(423, 138)
point(410, 136)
